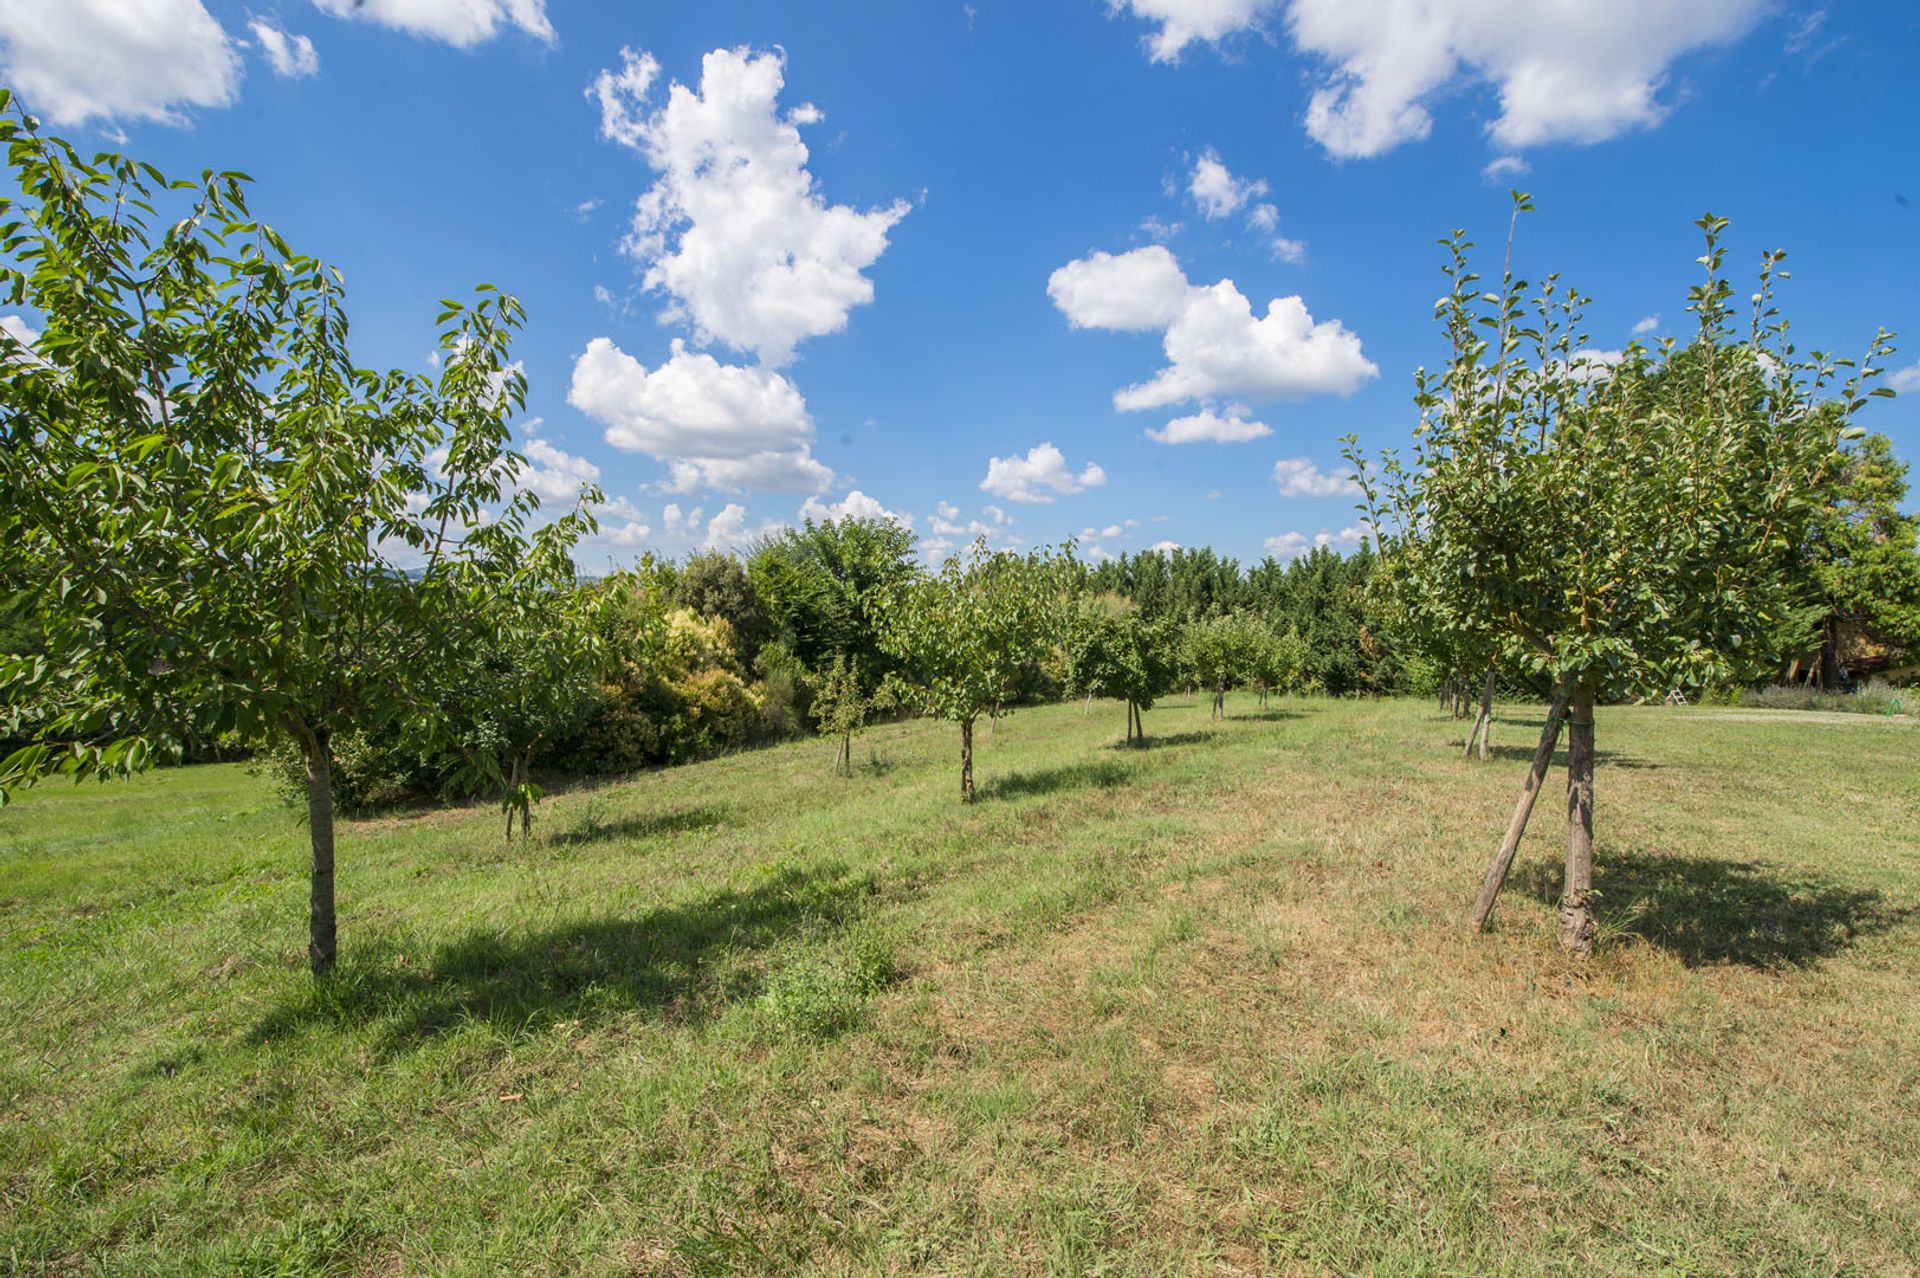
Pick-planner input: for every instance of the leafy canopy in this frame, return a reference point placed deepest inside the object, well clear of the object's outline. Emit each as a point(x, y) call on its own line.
point(1626, 524)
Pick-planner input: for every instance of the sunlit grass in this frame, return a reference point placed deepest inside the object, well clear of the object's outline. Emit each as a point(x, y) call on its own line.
point(1202, 1008)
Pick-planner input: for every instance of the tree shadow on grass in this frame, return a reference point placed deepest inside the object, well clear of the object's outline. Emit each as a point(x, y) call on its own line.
point(1706, 911)
point(1265, 714)
point(1602, 758)
point(679, 961)
point(638, 825)
point(1102, 774)
point(1163, 740)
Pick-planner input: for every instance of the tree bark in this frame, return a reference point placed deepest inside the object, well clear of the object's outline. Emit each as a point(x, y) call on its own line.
point(966, 761)
point(1577, 925)
point(322, 938)
point(1483, 721)
point(506, 797)
point(1529, 791)
point(526, 810)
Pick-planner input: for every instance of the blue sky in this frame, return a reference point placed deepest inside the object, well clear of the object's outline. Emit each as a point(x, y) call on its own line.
point(948, 245)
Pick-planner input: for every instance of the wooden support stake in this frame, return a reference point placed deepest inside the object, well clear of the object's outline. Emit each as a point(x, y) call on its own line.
point(1542, 759)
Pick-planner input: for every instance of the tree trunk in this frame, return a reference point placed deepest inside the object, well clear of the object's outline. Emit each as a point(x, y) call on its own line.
point(1483, 721)
point(1529, 791)
point(507, 798)
point(1831, 680)
point(322, 939)
point(526, 808)
point(1576, 897)
point(966, 761)
point(1219, 701)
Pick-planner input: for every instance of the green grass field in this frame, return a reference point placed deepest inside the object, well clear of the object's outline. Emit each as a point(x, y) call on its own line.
point(1204, 1008)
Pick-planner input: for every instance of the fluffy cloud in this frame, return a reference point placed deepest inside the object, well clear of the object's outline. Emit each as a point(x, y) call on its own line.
point(461, 23)
point(780, 472)
point(1564, 72)
point(1184, 21)
point(1302, 477)
point(856, 505)
point(734, 229)
point(1216, 347)
point(554, 475)
point(716, 425)
point(1164, 547)
point(1130, 292)
point(1293, 544)
point(1502, 167)
point(1218, 193)
point(1646, 326)
point(1209, 426)
point(946, 522)
point(728, 530)
point(18, 329)
point(1040, 476)
point(79, 60)
point(289, 55)
point(1906, 380)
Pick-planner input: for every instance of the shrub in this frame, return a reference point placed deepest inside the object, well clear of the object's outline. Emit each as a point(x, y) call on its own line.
point(722, 713)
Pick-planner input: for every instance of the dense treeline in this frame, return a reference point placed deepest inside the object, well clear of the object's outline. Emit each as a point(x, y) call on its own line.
point(719, 652)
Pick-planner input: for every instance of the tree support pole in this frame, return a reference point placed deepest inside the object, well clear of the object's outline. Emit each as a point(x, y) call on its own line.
point(1542, 759)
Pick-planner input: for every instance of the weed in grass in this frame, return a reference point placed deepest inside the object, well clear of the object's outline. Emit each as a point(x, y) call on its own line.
point(823, 991)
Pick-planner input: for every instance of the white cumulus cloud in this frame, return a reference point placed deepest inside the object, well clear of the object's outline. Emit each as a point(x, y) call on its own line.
point(72, 61)
point(1290, 545)
point(1183, 22)
point(728, 530)
point(292, 56)
point(1302, 477)
point(855, 505)
point(1217, 348)
point(553, 474)
point(1040, 476)
point(1563, 72)
point(1906, 380)
point(461, 23)
point(1647, 325)
point(717, 425)
point(1218, 193)
point(1130, 292)
point(1209, 426)
point(735, 229)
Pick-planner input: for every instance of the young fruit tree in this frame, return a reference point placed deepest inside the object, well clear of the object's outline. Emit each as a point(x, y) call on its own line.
point(537, 659)
point(1278, 658)
point(1113, 651)
point(842, 703)
point(1622, 526)
point(965, 634)
point(225, 526)
point(1220, 652)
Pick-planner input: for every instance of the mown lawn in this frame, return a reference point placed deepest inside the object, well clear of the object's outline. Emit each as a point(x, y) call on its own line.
point(1205, 1008)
